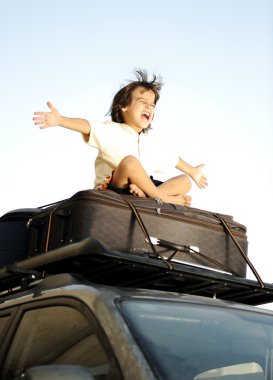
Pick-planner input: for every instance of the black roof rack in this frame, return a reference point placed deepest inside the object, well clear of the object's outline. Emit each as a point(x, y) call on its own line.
point(99, 265)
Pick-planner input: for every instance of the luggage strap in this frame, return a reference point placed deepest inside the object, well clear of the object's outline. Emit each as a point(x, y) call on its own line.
point(171, 245)
point(226, 227)
point(144, 230)
point(49, 226)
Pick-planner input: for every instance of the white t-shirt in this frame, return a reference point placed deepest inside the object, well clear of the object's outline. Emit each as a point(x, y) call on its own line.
point(115, 141)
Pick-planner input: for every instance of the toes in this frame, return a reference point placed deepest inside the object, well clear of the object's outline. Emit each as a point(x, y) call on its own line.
point(187, 200)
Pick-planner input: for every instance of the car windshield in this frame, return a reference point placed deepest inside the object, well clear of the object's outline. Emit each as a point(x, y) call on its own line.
point(194, 341)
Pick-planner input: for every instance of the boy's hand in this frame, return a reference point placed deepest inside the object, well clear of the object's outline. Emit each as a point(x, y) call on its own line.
point(48, 119)
point(198, 177)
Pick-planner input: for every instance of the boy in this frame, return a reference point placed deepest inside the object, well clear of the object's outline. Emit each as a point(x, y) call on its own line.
point(126, 151)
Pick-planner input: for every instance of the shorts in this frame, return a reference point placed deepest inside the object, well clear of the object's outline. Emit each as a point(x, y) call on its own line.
point(107, 185)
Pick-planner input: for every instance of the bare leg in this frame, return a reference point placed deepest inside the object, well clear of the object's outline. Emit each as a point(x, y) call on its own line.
point(179, 185)
point(176, 185)
point(130, 171)
point(173, 186)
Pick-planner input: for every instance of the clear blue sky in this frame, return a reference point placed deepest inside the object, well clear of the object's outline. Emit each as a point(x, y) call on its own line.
point(215, 57)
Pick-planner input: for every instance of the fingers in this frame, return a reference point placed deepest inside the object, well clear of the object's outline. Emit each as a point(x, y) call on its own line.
point(39, 113)
point(38, 120)
point(199, 178)
point(50, 106)
point(41, 124)
point(41, 118)
point(202, 182)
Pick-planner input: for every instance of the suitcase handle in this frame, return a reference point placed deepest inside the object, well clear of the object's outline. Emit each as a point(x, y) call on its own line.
point(189, 250)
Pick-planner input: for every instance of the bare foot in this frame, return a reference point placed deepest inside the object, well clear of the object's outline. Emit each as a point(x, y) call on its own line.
point(187, 200)
point(136, 191)
point(182, 200)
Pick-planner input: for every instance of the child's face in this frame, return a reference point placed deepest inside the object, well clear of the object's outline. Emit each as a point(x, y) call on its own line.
point(140, 112)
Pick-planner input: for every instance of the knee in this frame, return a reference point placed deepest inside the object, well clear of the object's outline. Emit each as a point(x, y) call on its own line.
point(129, 162)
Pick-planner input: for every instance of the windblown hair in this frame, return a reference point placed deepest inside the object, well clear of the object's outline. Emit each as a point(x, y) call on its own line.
point(123, 97)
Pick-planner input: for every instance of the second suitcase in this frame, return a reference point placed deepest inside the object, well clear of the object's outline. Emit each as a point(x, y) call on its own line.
point(14, 235)
point(106, 216)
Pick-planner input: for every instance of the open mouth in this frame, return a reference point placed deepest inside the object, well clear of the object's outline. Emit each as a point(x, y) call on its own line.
point(146, 115)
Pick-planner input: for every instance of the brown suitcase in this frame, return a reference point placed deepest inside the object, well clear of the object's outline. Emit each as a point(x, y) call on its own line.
point(193, 236)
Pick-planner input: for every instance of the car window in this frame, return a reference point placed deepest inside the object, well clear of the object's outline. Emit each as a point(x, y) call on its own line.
point(201, 342)
point(55, 335)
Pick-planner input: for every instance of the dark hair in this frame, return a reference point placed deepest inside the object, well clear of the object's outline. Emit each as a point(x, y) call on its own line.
point(123, 97)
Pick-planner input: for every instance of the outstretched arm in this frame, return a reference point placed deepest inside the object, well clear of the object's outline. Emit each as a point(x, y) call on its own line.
point(53, 118)
point(195, 173)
